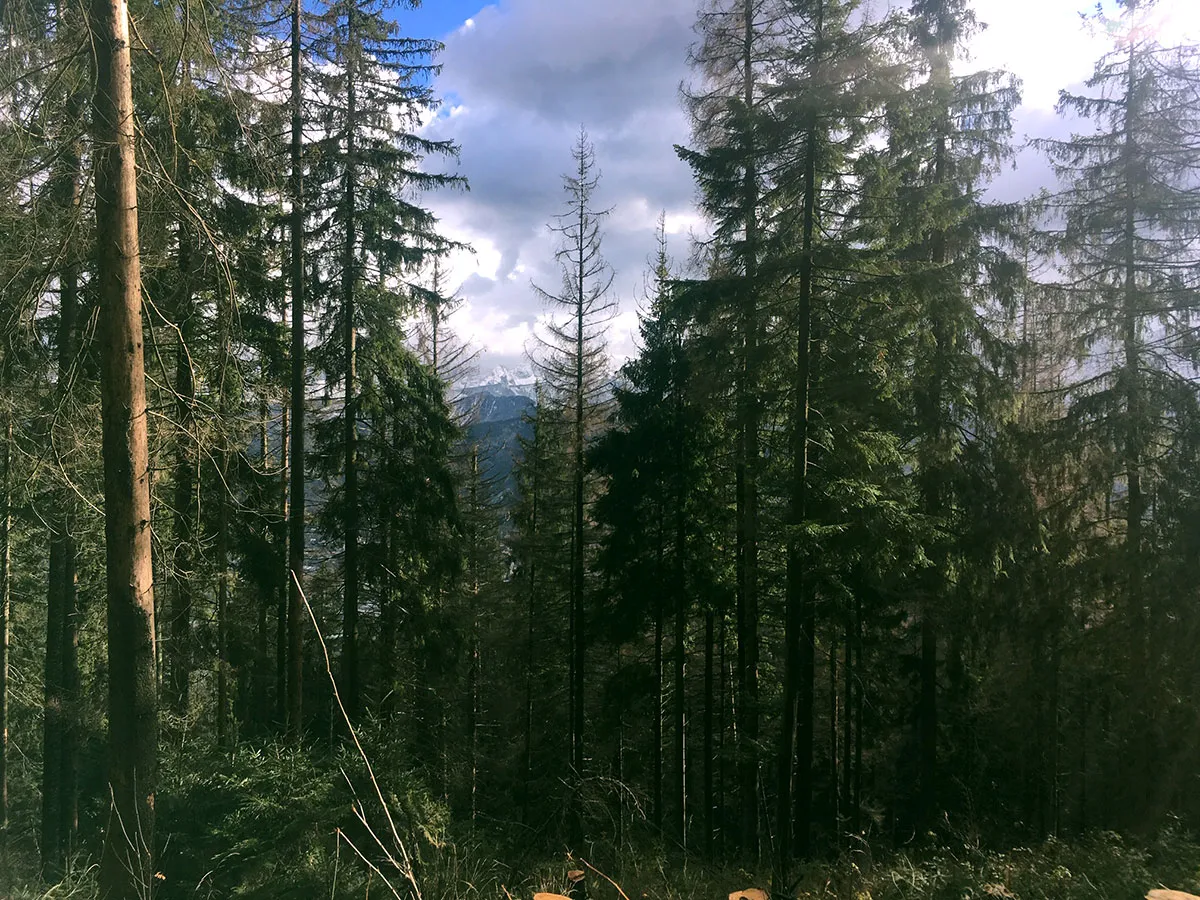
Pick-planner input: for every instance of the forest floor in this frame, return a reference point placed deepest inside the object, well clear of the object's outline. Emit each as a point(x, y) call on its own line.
point(273, 823)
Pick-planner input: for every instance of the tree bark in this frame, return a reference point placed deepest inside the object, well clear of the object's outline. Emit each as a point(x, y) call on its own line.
point(179, 647)
point(535, 488)
point(295, 611)
point(126, 867)
point(58, 739)
point(658, 693)
point(578, 632)
point(681, 598)
point(799, 617)
point(285, 574)
point(680, 709)
point(747, 485)
point(350, 686)
point(709, 700)
point(5, 617)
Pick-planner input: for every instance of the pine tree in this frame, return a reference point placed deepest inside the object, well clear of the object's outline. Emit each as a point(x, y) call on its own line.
point(655, 512)
point(1123, 227)
point(297, 473)
point(572, 361)
point(372, 231)
point(127, 869)
point(730, 118)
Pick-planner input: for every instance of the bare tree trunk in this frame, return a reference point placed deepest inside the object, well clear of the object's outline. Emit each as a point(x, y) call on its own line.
point(680, 709)
point(747, 489)
point(681, 596)
point(578, 633)
point(531, 613)
point(848, 677)
point(799, 617)
point(709, 700)
point(295, 671)
point(179, 647)
point(179, 656)
point(5, 617)
point(858, 717)
point(126, 868)
point(658, 695)
point(222, 541)
point(59, 677)
point(474, 674)
point(285, 574)
point(349, 685)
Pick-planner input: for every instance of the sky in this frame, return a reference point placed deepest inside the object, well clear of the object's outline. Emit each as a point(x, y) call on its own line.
point(520, 77)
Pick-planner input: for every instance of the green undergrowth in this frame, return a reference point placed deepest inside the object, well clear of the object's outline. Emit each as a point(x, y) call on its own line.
point(280, 823)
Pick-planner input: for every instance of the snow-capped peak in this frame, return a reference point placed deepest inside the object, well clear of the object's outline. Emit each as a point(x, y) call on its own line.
point(503, 380)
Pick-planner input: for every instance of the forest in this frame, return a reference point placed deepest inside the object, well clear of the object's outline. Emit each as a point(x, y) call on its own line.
point(874, 573)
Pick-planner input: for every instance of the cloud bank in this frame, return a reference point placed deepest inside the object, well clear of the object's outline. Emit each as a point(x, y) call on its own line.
point(520, 77)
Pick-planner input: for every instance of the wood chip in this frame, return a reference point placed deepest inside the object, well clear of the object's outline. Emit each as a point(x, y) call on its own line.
point(1163, 894)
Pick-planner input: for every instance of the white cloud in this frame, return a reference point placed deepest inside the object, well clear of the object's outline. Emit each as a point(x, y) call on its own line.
point(524, 74)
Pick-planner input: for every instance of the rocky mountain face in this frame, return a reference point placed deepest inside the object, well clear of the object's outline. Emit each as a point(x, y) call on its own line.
point(494, 406)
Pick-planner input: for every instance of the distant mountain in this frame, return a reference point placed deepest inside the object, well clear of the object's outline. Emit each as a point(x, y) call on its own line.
point(503, 382)
point(494, 407)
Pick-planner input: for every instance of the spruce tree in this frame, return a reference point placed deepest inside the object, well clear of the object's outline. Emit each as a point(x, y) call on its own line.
point(1123, 228)
point(372, 230)
point(572, 361)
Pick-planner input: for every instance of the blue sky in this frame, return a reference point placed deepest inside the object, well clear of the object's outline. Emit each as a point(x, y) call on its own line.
point(520, 77)
point(437, 18)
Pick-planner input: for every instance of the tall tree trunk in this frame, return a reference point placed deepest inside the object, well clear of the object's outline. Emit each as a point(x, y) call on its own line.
point(849, 674)
point(709, 700)
point(1142, 737)
point(858, 716)
point(834, 806)
point(349, 686)
point(222, 540)
point(179, 646)
point(681, 598)
point(126, 867)
point(474, 674)
point(390, 608)
point(658, 694)
point(283, 587)
point(799, 617)
point(722, 727)
point(535, 488)
point(680, 705)
point(747, 486)
point(58, 766)
point(5, 616)
point(258, 713)
point(179, 657)
point(295, 622)
point(578, 631)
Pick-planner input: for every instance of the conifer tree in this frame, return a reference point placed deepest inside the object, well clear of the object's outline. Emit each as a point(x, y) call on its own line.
point(740, 42)
point(572, 361)
point(1124, 226)
point(127, 868)
point(372, 230)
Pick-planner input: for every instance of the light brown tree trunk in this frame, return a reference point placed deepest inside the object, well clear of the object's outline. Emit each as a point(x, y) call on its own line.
point(126, 868)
